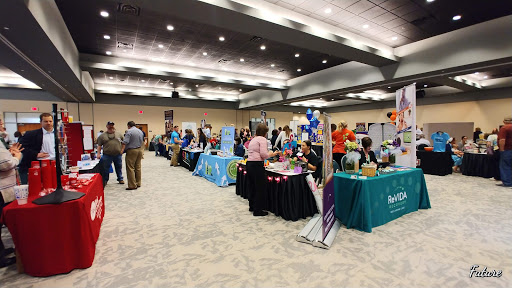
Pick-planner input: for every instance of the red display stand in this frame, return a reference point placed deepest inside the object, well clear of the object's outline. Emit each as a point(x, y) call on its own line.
point(74, 136)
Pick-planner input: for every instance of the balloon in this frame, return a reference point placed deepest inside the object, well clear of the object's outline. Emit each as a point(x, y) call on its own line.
point(309, 130)
point(316, 114)
point(309, 114)
point(394, 112)
point(314, 122)
point(393, 117)
point(389, 114)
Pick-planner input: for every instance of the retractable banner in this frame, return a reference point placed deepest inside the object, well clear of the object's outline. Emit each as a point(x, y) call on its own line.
point(168, 116)
point(328, 217)
point(406, 125)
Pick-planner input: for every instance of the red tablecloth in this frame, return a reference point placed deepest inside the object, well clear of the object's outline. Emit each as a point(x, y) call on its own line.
point(55, 239)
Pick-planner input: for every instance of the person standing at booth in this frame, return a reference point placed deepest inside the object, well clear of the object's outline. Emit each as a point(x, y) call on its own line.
point(132, 143)
point(38, 144)
point(258, 152)
point(175, 145)
point(339, 137)
point(505, 144)
point(110, 141)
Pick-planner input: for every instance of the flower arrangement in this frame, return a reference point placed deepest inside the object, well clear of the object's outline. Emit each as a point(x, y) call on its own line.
point(389, 149)
point(351, 147)
point(389, 144)
point(286, 155)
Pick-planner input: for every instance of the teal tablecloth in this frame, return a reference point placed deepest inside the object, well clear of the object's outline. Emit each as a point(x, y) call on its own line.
point(219, 170)
point(367, 203)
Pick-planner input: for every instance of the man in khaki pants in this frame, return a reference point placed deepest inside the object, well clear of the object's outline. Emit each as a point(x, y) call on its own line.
point(132, 143)
point(175, 145)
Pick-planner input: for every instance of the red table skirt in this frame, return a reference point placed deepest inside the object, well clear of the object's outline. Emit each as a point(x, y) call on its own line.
point(55, 239)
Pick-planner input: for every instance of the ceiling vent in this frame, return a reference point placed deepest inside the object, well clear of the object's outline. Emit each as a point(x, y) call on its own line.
point(165, 81)
point(223, 61)
point(128, 9)
point(124, 45)
point(281, 71)
point(256, 39)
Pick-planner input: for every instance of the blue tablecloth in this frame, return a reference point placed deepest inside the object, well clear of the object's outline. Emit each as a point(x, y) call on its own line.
point(367, 203)
point(219, 170)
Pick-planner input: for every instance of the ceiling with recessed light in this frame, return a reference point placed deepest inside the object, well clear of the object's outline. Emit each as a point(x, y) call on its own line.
point(231, 50)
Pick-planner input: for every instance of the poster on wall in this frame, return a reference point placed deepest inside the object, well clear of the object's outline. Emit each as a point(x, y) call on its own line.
point(189, 125)
point(168, 116)
point(227, 140)
point(360, 126)
point(328, 217)
point(405, 125)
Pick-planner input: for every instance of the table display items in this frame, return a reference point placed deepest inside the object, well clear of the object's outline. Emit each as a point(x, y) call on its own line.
point(59, 195)
point(21, 193)
point(352, 157)
point(389, 150)
point(369, 170)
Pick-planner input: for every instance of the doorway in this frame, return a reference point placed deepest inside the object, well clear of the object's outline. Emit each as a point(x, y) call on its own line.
point(144, 127)
point(23, 127)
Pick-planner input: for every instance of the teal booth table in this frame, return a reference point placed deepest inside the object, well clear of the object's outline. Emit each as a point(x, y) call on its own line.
point(219, 170)
point(367, 203)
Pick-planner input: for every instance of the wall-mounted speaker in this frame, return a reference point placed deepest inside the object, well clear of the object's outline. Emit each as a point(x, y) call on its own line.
point(175, 94)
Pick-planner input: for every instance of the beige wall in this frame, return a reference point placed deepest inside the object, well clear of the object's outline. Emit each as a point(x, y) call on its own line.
point(485, 114)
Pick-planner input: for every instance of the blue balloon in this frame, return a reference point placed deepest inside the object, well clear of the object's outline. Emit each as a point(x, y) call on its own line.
point(314, 122)
point(309, 114)
point(309, 130)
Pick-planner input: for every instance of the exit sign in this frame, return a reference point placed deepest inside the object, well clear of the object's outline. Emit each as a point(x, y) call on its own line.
point(141, 112)
point(33, 108)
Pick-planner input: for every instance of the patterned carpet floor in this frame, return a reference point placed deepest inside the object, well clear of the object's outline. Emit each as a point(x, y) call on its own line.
point(178, 230)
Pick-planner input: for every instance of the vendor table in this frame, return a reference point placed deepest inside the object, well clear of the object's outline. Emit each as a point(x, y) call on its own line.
point(367, 203)
point(435, 163)
point(482, 165)
point(219, 170)
point(287, 196)
point(55, 239)
point(188, 158)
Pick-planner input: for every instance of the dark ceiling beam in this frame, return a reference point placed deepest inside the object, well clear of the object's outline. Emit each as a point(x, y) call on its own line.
point(244, 19)
point(27, 50)
point(104, 64)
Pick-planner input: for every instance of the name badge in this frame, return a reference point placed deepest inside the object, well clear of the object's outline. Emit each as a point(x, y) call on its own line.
point(363, 177)
point(353, 177)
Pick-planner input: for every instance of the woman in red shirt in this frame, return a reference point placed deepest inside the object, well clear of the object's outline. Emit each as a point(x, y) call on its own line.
point(338, 139)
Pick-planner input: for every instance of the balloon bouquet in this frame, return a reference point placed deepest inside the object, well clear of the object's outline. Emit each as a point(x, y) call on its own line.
point(313, 121)
point(392, 116)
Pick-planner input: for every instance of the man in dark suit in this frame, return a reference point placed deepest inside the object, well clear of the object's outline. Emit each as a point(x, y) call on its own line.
point(39, 144)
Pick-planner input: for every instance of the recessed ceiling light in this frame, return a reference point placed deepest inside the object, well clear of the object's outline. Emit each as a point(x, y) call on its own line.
point(220, 88)
point(485, 77)
point(272, 65)
point(394, 38)
point(298, 70)
point(110, 77)
point(297, 54)
point(456, 17)
point(321, 98)
point(170, 27)
point(425, 85)
point(189, 89)
point(106, 37)
point(160, 46)
point(365, 26)
point(204, 53)
point(142, 81)
point(197, 85)
point(124, 51)
point(262, 47)
point(221, 38)
point(476, 73)
point(242, 60)
point(104, 14)
point(6, 28)
point(328, 10)
point(325, 61)
point(389, 87)
point(430, 0)
point(109, 53)
point(170, 83)
point(240, 90)
point(332, 99)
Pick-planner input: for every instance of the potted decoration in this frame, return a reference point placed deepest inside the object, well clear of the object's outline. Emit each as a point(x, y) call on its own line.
point(390, 149)
point(286, 158)
point(353, 156)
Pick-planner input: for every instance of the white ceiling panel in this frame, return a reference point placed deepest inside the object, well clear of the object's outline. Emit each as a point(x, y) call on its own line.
point(393, 4)
point(360, 7)
point(394, 23)
point(405, 9)
point(373, 12)
point(342, 16)
point(312, 5)
point(344, 3)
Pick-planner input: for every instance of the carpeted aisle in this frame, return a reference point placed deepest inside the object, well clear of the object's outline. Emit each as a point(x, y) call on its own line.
point(183, 231)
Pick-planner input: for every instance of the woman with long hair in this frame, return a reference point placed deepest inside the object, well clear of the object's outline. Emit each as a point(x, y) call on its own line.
point(258, 152)
point(201, 138)
point(285, 135)
point(339, 137)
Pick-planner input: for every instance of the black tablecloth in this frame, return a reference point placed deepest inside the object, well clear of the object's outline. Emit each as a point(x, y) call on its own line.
point(188, 160)
point(435, 163)
point(288, 197)
point(481, 165)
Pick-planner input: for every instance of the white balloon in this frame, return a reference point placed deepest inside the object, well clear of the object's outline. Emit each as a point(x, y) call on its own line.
point(316, 114)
